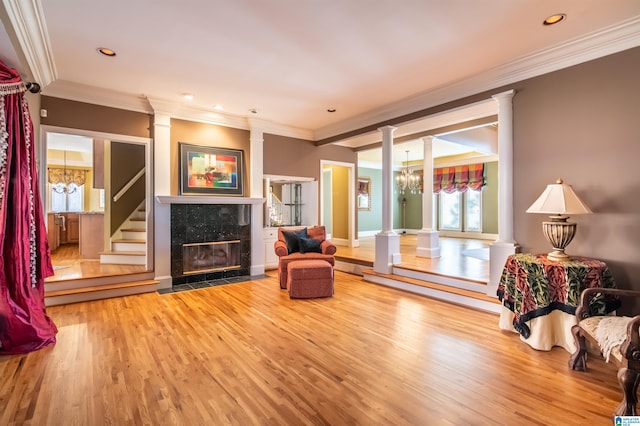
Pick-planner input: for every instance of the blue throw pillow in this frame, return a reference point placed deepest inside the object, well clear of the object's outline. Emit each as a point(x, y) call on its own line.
point(292, 238)
point(310, 245)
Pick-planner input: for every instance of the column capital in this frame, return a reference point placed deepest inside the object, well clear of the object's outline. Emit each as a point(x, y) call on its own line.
point(387, 129)
point(508, 95)
point(428, 139)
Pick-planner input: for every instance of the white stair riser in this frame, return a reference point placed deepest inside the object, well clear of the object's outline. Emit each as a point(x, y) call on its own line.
point(134, 224)
point(128, 246)
point(123, 259)
point(134, 235)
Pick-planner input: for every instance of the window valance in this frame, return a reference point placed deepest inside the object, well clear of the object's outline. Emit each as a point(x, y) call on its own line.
point(459, 178)
point(66, 176)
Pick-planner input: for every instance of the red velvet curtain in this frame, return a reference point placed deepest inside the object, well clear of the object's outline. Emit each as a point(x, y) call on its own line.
point(25, 260)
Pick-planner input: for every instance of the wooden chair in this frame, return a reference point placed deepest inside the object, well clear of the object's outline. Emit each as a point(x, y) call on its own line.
point(616, 337)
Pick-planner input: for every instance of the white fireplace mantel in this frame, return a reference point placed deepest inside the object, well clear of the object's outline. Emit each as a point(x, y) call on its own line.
point(206, 199)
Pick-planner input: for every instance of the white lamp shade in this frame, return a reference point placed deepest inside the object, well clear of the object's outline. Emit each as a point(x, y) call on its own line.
point(559, 198)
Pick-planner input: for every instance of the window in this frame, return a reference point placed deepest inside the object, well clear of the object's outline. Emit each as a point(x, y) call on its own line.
point(450, 211)
point(473, 211)
point(64, 202)
point(460, 211)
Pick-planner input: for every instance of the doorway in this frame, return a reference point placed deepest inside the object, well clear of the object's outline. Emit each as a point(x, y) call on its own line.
point(337, 186)
point(96, 195)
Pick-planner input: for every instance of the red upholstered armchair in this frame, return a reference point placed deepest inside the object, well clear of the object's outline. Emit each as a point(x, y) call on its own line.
point(300, 243)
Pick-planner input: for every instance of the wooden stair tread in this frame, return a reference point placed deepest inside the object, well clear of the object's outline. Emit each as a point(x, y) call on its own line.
point(134, 230)
point(80, 290)
point(124, 240)
point(127, 253)
point(435, 286)
point(137, 219)
point(414, 269)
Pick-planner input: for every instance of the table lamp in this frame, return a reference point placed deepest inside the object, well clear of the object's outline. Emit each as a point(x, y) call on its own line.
point(559, 200)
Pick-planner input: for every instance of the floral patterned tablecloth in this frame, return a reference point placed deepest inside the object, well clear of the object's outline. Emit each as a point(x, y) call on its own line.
point(532, 285)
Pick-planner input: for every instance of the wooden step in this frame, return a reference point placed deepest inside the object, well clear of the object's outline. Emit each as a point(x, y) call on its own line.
point(56, 293)
point(124, 257)
point(137, 219)
point(456, 295)
point(84, 294)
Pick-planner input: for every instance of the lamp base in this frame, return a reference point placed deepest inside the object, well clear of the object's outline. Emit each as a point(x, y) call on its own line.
point(559, 232)
point(558, 255)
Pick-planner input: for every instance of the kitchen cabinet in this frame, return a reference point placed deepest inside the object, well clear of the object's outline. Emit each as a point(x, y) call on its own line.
point(91, 235)
point(70, 232)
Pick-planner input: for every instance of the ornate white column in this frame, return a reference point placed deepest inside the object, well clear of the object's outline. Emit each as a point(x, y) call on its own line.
point(505, 245)
point(256, 190)
point(162, 186)
point(428, 238)
point(256, 159)
point(387, 241)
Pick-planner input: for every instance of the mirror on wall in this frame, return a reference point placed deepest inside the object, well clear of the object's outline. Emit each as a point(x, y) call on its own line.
point(364, 193)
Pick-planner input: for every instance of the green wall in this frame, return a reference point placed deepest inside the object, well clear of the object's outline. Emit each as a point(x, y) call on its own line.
point(371, 220)
point(490, 199)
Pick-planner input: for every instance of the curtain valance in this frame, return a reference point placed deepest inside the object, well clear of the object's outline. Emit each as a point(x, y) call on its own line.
point(458, 178)
point(66, 176)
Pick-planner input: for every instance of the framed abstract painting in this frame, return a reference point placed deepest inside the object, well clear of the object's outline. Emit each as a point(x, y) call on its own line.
point(206, 170)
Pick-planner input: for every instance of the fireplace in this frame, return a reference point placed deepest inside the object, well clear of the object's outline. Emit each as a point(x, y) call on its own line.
point(200, 258)
point(209, 242)
point(185, 218)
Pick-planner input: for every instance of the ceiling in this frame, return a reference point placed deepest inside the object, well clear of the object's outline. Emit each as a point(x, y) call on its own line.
point(292, 60)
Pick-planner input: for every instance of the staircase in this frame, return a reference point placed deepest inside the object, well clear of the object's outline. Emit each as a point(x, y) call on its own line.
point(129, 244)
point(275, 208)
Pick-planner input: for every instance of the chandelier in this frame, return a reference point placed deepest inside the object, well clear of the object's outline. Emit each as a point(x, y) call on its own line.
point(407, 180)
point(66, 180)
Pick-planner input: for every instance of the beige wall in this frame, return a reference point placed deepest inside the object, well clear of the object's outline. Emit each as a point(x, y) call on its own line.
point(581, 124)
point(196, 133)
point(84, 116)
point(298, 157)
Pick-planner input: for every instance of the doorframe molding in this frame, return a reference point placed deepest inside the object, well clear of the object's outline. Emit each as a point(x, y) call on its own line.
point(352, 240)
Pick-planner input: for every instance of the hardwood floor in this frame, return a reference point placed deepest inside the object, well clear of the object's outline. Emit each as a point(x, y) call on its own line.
point(245, 354)
point(69, 266)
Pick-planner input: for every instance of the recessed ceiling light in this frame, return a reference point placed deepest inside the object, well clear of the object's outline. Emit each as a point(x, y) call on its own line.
point(331, 110)
point(106, 52)
point(187, 96)
point(253, 110)
point(554, 19)
point(218, 108)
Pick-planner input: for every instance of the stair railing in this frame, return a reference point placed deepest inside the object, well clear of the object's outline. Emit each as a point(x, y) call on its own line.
point(129, 185)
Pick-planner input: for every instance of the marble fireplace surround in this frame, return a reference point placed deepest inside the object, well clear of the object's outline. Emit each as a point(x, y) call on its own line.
point(162, 232)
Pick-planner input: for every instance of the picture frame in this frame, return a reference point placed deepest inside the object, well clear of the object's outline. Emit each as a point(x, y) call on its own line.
point(206, 170)
point(364, 193)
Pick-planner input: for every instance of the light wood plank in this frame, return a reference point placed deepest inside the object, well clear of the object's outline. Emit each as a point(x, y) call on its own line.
point(246, 354)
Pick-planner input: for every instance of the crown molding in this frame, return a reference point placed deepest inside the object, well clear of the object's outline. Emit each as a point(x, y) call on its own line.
point(30, 31)
point(95, 95)
point(607, 41)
